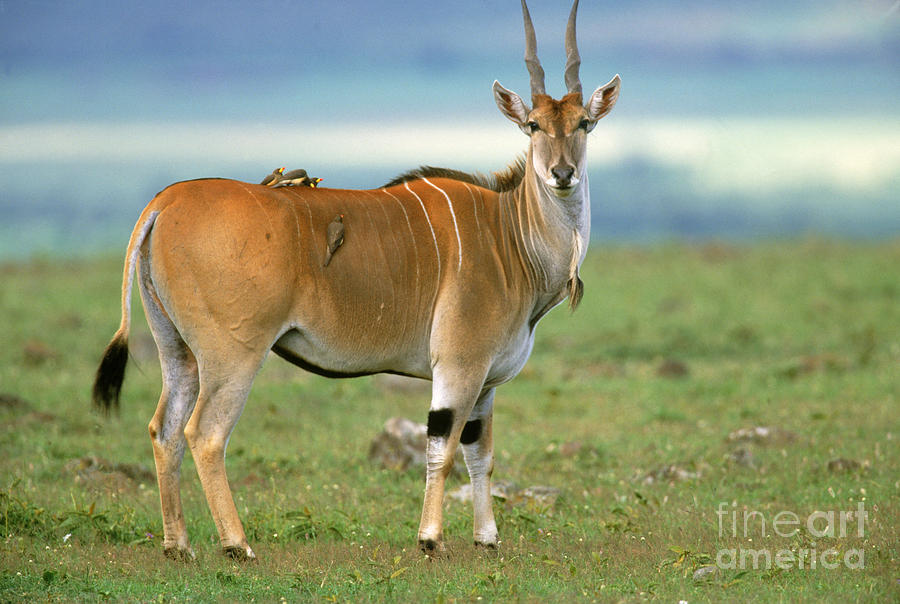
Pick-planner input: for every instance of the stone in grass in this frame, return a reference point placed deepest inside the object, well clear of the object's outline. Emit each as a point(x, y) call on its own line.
point(536, 497)
point(401, 445)
point(743, 457)
point(705, 573)
point(763, 435)
point(670, 473)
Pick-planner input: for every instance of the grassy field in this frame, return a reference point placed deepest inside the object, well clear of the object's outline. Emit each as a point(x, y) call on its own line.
point(697, 389)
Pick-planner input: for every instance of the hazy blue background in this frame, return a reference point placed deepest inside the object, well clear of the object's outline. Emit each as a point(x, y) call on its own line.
point(736, 119)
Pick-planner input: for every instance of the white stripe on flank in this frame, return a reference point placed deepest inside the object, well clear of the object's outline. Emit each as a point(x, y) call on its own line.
point(474, 209)
point(452, 215)
point(433, 236)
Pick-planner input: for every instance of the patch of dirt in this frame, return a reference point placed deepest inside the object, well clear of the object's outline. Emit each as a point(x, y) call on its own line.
point(570, 449)
point(672, 368)
point(11, 401)
point(96, 473)
point(716, 252)
point(604, 369)
point(36, 353)
point(815, 363)
point(842, 465)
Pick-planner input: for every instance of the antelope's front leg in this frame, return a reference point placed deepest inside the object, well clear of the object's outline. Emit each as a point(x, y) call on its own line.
point(452, 399)
point(478, 450)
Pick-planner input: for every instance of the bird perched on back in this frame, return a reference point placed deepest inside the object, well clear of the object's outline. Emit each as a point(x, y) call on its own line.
point(313, 182)
point(293, 178)
point(273, 178)
point(335, 237)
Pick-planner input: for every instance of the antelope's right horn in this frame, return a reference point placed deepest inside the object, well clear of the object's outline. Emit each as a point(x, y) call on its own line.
point(531, 58)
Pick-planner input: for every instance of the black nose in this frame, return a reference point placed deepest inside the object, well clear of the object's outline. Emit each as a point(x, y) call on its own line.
point(563, 176)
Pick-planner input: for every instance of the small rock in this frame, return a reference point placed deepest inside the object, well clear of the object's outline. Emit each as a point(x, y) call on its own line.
point(672, 368)
point(402, 445)
point(536, 497)
point(742, 457)
point(840, 465)
point(670, 473)
point(763, 435)
point(705, 573)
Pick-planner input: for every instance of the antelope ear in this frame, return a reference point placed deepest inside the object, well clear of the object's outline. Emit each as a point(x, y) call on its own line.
point(511, 104)
point(603, 99)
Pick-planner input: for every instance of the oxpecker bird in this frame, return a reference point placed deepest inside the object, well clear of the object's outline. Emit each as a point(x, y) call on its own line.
point(335, 237)
point(313, 182)
point(273, 178)
point(294, 178)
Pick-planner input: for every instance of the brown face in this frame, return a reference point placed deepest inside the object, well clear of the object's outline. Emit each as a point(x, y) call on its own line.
point(558, 131)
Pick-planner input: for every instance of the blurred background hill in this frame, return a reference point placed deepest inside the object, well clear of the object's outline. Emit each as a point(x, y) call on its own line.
point(736, 120)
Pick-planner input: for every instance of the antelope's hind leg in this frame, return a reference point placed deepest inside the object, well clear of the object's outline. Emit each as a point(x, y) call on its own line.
point(225, 380)
point(179, 394)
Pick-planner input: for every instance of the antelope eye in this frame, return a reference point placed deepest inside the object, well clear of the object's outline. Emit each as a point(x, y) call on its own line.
point(533, 126)
point(584, 124)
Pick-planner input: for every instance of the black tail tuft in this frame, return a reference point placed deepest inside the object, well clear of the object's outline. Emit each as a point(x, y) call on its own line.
point(110, 375)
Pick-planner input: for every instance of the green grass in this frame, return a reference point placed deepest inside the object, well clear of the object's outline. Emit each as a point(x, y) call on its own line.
point(673, 349)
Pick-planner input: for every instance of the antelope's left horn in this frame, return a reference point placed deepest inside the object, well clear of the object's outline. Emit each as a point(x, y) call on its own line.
point(573, 60)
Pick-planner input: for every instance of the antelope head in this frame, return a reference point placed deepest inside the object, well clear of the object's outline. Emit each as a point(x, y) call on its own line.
point(557, 129)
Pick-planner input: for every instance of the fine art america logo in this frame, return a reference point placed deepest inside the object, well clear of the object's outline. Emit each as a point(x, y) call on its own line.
point(752, 524)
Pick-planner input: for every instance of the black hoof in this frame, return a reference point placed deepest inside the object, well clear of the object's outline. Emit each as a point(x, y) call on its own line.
point(431, 547)
point(179, 555)
point(239, 554)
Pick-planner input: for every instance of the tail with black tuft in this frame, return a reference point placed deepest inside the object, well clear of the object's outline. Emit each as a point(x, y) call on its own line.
point(111, 374)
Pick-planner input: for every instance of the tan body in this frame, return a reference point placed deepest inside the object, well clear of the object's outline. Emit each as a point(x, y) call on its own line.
point(441, 276)
point(378, 306)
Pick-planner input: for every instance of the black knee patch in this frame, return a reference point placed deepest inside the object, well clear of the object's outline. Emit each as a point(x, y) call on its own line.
point(471, 432)
point(440, 422)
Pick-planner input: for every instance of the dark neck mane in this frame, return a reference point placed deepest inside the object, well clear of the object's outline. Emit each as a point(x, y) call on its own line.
point(504, 180)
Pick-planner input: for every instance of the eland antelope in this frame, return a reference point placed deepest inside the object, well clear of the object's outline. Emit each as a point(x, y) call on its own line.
point(442, 275)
